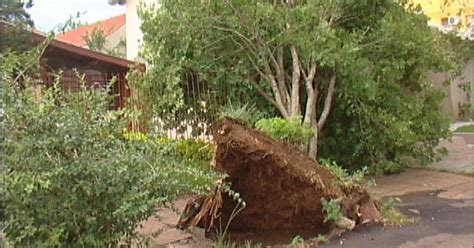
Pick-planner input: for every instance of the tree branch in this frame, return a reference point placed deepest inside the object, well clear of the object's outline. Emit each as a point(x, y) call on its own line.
point(327, 103)
point(310, 112)
point(269, 77)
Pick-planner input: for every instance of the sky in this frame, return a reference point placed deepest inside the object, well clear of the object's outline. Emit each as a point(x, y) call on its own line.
point(49, 13)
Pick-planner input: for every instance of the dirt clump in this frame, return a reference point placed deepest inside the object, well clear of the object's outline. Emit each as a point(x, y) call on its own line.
point(282, 188)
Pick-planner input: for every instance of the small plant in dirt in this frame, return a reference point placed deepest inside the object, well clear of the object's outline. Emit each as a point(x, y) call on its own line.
point(223, 239)
point(331, 209)
point(392, 215)
point(290, 131)
point(343, 176)
point(297, 241)
point(322, 239)
point(249, 244)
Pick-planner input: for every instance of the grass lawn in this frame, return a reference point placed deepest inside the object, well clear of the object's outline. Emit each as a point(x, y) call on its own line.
point(465, 129)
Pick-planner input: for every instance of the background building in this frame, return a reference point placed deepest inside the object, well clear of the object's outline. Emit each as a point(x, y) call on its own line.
point(133, 32)
point(450, 15)
point(113, 30)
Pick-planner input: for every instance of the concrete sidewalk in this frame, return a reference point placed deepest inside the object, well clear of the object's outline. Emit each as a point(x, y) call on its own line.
point(410, 181)
point(460, 158)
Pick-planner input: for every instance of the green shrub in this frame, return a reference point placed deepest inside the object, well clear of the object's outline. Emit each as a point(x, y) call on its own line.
point(194, 150)
point(465, 129)
point(343, 175)
point(134, 136)
point(190, 152)
point(72, 180)
point(290, 131)
point(331, 209)
point(244, 112)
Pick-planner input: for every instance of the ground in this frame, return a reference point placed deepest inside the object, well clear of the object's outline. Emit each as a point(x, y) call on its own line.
point(442, 202)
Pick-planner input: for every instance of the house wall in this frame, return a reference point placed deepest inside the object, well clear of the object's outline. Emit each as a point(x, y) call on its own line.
point(454, 95)
point(115, 38)
point(134, 33)
point(440, 10)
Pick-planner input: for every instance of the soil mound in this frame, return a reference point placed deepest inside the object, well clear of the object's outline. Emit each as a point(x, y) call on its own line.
point(282, 188)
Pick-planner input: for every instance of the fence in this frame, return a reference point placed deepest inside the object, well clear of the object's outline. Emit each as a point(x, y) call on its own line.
point(201, 109)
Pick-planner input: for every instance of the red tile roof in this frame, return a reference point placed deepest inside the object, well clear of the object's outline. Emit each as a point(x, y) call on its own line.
point(108, 26)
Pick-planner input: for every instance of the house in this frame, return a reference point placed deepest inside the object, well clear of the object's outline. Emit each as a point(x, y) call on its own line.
point(98, 68)
point(453, 16)
point(133, 33)
point(450, 15)
point(113, 30)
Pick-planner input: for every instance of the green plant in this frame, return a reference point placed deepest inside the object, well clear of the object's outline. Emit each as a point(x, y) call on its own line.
point(96, 40)
point(134, 136)
point(392, 215)
point(297, 241)
point(223, 239)
point(343, 175)
point(291, 131)
point(322, 239)
point(244, 112)
point(191, 152)
point(331, 209)
point(194, 150)
point(249, 244)
point(72, 180)
point(465, 129)
point(367, 98)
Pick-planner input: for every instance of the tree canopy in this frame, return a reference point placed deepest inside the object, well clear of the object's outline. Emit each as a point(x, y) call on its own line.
point(14, 11)
point(351, 69)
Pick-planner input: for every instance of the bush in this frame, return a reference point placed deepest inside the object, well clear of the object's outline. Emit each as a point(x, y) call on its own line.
point(71, 177)
point(134, 136)
point(343, 176)
point(243, 112)
point(190, 152)
point(290, 131)
point(194, 150)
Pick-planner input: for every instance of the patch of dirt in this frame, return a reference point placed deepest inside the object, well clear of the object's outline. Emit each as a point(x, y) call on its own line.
point(281, 186)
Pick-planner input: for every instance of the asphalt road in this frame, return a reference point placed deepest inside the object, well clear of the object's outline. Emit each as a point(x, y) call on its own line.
point(441, 223)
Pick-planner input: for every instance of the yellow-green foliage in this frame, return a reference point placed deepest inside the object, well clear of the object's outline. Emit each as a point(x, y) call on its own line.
point(134, 136)
point(194, 149)
point(392, 215)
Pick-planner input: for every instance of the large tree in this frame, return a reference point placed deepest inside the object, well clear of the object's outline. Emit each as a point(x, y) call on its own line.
point(301, 56)
point(13, 35)
point(14, 11)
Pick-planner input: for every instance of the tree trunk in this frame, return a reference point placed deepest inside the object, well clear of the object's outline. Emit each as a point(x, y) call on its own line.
point(313, 144)
point(295, 84)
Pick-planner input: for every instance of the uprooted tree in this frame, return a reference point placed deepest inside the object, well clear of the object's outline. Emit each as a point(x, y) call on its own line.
point(283, 189)
point(329, 62)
